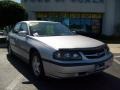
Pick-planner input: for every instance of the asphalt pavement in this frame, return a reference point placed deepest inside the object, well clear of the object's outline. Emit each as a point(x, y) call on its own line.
point(16, 75)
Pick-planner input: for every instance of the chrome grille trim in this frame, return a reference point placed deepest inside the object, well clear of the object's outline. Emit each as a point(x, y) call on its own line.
point(94, 54)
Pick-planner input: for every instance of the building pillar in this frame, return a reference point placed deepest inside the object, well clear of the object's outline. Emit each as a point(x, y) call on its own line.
point(109, 18)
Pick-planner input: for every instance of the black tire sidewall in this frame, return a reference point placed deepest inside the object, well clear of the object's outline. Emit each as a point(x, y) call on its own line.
point(10, 52)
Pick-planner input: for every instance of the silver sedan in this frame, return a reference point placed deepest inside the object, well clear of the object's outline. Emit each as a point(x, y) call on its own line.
point(53, 50)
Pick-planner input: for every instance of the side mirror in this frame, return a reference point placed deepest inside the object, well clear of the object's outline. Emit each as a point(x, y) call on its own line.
point(74, 32)
point(22, 33)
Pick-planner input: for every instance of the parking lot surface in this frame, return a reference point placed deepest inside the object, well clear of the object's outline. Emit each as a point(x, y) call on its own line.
point(16, 75)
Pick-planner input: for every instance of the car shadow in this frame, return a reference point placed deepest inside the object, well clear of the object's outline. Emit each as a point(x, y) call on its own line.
point(116, 54)
point(3, 45)
point(102, 81)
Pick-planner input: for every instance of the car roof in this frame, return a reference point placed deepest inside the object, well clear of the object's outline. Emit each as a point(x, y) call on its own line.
point(39, 21)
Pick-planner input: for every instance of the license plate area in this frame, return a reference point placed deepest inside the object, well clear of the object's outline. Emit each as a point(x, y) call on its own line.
point(99, 66)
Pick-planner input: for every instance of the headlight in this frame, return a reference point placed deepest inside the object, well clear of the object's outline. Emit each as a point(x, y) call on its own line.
point(64, 55)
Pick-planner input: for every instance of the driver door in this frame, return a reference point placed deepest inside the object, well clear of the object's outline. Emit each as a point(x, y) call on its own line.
point(22, 44)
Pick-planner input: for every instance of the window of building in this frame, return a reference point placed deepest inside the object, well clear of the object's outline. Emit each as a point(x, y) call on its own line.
point(87, 22)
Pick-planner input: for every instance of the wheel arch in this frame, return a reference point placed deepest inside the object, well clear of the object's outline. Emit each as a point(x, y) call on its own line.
point(32, 50)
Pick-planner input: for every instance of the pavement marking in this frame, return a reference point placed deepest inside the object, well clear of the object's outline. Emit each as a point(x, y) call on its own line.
point(115, 60)
point(13, 84)
point(117, 56)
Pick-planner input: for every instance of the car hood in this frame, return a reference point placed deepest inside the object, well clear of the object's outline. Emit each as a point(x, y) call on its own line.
point(67, 42)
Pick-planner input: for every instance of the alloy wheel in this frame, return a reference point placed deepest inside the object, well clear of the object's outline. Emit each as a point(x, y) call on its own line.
point(36, 66)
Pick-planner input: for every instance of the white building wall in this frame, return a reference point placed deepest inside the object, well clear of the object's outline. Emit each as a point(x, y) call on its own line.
point(67, 5)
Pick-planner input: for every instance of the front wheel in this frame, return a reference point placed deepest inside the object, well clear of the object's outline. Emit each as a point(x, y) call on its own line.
point(36, 64)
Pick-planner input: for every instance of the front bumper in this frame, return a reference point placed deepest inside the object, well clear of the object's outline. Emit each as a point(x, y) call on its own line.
point(71, 70)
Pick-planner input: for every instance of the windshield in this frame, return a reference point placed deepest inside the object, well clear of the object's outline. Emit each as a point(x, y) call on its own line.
point(49, 29)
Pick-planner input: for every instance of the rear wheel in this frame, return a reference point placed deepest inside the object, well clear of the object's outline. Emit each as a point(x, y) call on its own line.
point(10, 52)
point(37, 66)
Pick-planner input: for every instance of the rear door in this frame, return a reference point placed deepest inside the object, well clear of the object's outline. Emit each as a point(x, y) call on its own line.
point(13, 37)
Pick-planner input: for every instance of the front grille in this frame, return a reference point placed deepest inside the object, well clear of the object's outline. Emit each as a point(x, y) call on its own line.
point(94, 54)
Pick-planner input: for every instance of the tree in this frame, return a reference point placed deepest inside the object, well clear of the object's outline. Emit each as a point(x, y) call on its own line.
point(11, 13)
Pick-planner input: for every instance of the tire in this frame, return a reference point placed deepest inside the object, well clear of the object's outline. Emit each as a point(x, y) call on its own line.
point(37, 65)
point(10, 52)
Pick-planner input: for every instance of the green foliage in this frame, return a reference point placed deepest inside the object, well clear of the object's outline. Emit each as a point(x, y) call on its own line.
point(11, 13)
